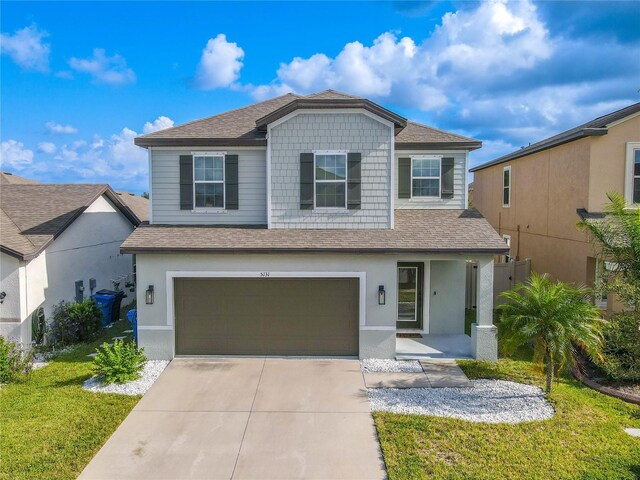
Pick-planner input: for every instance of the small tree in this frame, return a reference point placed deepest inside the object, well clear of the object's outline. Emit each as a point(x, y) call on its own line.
point(553, 316)
point(617, 239)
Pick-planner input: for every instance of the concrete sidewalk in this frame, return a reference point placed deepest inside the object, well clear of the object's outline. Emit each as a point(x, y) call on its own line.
point(247, 418)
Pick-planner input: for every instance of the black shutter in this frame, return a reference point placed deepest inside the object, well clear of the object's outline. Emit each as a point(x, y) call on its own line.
point(353, 180)
point(186, 182)
point(231, 182)
point(447, 178)
point(404, 178)
point(306, 181)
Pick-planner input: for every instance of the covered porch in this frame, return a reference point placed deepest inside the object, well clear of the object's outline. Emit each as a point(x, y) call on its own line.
point(432, 322)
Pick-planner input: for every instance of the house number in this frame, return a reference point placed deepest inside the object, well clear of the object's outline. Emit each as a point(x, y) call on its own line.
point(264, 274)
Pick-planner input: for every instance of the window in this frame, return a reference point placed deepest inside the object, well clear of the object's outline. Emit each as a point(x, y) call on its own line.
point(632, 173)
point(425, 177)
point(331, 180)
point(507, 240)
point(636, 175)
point(208, 179)
point(506, 186)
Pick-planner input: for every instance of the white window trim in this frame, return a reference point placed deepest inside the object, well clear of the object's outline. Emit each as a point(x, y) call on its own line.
point(427, 157)
point(506, 205)
point(224, 173)
point(507, 240)
point(629, 177)
point(346, 177)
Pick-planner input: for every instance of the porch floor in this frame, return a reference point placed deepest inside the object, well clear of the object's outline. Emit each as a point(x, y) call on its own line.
point(434, 346)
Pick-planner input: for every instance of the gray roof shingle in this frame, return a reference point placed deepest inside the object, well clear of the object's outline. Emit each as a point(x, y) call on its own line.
point(418, 231)
point(32, 216)
point(238, 127)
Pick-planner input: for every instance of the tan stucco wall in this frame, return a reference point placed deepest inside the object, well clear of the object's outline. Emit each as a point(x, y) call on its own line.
point(608, 155)
point(546, 190)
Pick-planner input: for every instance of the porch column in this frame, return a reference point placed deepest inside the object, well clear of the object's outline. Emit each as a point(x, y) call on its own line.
point(484, 342)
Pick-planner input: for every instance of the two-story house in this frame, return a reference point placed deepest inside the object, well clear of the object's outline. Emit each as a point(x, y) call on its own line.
point(535, 196)
point(308, 225)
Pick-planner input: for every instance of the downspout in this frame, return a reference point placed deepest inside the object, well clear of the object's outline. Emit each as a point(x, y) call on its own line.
point(518, 243)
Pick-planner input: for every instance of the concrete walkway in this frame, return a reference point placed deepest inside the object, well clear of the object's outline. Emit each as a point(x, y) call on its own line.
point(435, 374)
point(247, 418)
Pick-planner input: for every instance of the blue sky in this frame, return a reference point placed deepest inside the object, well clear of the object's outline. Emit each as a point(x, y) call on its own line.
point(80, 80)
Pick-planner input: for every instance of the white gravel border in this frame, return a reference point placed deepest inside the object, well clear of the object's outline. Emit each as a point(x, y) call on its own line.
point(150, 373)
point(371, 365)
point(490, 401)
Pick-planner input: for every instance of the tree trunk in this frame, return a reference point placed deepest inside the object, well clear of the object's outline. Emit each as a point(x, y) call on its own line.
point(549, 361)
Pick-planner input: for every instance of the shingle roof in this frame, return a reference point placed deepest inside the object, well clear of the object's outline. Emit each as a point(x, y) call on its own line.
point(138, 204)
point(238, 127)
point(595, 127)
point(8, 178)
point(418, 231)
point(34, 215)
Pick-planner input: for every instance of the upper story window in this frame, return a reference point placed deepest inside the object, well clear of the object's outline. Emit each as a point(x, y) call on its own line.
point(208, 179)
point(636, 175)
point(506, 186)
point(632, 176)
point(426, 176)
point(331, 180)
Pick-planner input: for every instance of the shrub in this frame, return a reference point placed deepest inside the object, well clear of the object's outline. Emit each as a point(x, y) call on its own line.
point(75, 322)
point(621, 348)
point(38, 326)
point(120, 362)
point(15, 361)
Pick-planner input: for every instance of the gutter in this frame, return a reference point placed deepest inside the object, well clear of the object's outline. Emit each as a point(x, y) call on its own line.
point(397, 251)
point(544, 145)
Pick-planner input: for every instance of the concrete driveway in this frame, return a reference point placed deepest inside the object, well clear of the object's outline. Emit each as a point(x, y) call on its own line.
point(247, 418)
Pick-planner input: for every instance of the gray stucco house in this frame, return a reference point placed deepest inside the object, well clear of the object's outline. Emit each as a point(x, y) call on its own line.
point(309, 225)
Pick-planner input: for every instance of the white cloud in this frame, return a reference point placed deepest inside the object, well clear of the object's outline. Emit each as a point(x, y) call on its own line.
point(496, 38)
point(104, 69)
point(159, 123)
point(58, 128)
point(219, 65)
point(113, 159)
point(47, 147)
point(26, 48)
point(14, 155)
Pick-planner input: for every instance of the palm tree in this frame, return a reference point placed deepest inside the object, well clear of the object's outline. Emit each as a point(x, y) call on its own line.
point(553, 316)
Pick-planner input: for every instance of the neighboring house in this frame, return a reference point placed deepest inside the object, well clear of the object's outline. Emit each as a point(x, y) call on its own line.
point(57, 242)
point(315, 225)
point(535, 196)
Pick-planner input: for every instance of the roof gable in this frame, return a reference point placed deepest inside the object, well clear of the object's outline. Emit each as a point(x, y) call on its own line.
point(246, 126)
point(35, 215)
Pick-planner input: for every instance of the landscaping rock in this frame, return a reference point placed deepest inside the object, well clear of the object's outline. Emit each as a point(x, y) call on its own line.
point(391, 366)
point(150, 373)
point(490, 401)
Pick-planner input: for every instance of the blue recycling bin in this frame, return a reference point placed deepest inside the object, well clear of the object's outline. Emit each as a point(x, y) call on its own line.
point(132, 316)
point(105, 304)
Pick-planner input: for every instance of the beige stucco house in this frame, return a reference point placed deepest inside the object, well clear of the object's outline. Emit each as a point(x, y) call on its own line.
point(533, 197)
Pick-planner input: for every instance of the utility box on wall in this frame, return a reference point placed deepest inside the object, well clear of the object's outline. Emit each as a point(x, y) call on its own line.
point(79, 291)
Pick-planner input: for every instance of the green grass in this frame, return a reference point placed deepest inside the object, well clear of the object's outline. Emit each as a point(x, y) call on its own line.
point(583, 441)
point(50, 426)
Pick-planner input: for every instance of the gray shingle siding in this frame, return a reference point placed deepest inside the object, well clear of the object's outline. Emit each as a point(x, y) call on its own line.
point(354, 132)
point(252, 189)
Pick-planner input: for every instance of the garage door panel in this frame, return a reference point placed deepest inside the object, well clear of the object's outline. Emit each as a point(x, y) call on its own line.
point(275, 316)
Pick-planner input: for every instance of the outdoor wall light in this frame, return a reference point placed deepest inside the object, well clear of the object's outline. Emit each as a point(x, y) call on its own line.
point(149, 295)
point(3, 295)
point(381, 295)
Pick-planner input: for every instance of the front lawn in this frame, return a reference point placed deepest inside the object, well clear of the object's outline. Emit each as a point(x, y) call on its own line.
point(51, 427)
point(583, 441)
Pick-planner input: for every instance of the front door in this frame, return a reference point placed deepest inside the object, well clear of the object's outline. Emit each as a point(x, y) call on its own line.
point(410, 277)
